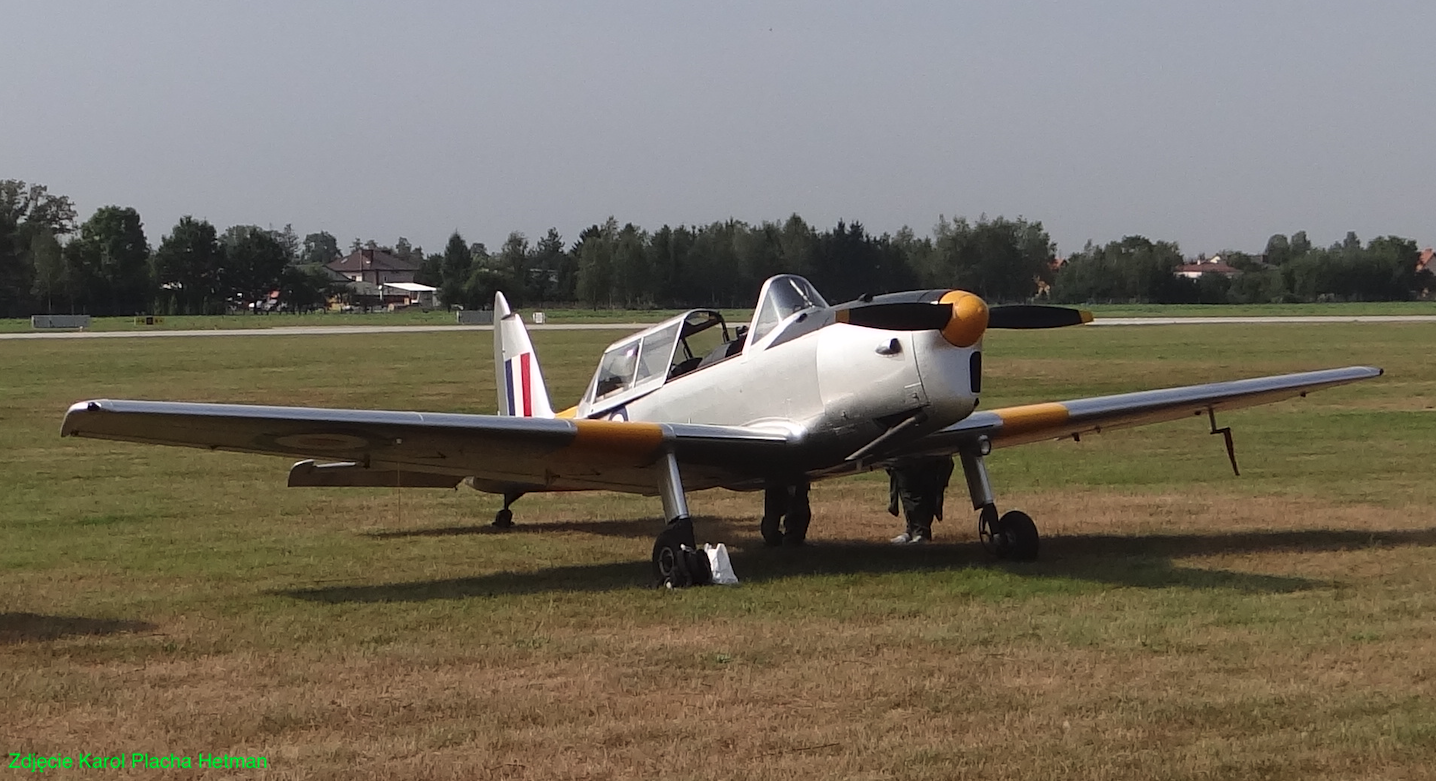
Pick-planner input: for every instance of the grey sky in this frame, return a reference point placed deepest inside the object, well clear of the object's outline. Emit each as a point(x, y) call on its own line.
point(1213, 124)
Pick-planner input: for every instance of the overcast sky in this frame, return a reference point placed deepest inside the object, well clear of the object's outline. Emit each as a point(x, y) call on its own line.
point(1211, 123)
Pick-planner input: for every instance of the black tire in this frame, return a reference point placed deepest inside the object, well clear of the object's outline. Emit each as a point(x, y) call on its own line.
point(673, 555)
point(700, 572)
point(669, 567)
point(504, 519)
point(1019, 536)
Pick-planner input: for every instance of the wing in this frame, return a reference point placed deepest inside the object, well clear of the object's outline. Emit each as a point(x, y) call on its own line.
point(1055, 420)
point(418, 449)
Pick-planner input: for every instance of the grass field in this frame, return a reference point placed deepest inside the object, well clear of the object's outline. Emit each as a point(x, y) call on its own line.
point(1182, 623)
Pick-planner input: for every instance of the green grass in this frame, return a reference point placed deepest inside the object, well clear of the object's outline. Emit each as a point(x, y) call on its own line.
point(1181, 624)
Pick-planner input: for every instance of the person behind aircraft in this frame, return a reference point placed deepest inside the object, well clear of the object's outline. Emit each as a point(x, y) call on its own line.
point(786, 514)
point(918, 487)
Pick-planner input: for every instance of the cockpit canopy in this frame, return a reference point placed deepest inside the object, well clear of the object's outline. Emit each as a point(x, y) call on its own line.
point(695, 340)
point(633, 366)
point(782, 296)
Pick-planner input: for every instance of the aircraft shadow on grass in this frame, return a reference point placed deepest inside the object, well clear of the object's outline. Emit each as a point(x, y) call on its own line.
point(30, 627)
point(1141, 562)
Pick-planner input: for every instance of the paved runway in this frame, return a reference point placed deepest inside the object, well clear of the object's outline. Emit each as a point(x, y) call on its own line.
point(319, 330)
point(307, 330)
point(1238, 320)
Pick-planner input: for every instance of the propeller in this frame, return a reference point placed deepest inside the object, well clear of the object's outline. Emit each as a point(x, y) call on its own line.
point(907, 316)
point(961, 316)
point(1035, 316)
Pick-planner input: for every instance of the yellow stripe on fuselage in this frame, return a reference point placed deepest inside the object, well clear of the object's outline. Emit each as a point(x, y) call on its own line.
point(1031, 417)
point(568, 413)
point(618, 438)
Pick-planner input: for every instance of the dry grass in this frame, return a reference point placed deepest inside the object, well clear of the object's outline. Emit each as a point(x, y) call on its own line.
point(1182, 623)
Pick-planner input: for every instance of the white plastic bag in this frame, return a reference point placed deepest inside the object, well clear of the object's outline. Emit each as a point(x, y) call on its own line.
point(720, 565)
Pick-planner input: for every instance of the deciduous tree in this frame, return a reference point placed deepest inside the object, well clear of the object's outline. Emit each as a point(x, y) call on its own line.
point(189, 269)
point(254, 260)
point(109, 263)
point(319, 248)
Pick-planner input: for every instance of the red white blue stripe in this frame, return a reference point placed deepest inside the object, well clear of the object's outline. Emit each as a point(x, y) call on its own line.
point(518, 382)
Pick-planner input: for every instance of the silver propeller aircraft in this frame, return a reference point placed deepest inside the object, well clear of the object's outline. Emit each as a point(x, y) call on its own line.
point(806, 391)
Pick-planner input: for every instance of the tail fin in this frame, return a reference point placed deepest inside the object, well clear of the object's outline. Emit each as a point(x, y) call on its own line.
point(521, 388)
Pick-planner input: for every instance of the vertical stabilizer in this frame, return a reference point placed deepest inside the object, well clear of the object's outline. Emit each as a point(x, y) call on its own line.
point(521, 388)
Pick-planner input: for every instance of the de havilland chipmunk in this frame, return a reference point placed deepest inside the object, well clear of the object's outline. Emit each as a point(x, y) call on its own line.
point(807, 391)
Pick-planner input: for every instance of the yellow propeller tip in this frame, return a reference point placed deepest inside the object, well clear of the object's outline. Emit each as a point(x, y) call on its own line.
point(1086, 316)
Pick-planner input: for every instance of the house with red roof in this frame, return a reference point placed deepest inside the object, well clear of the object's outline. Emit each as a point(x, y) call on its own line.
point(374, 266)
point(1202, 266)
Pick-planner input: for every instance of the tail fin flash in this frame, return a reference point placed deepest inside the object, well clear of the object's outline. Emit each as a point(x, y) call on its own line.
point(521, 387)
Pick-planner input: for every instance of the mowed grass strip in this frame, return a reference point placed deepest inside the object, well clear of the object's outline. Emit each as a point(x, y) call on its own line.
point(1182, 623)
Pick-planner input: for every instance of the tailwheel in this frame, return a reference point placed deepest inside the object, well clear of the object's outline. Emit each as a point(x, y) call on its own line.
point(504, 519)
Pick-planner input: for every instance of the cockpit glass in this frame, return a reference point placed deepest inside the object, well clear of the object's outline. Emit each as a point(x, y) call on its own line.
point(784, 295)
point(635, 362)
point(656, 354)
point(615, 371)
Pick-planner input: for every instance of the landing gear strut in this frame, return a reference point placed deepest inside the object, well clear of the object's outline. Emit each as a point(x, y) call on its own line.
point(677, 562)
point(504, 519)
point(1012, 535)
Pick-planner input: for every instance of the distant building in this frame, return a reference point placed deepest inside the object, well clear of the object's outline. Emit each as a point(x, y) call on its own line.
point(1425, 263)
point(374, 266)
point(412, 293)
point(1202, 266)
point(1055, 264)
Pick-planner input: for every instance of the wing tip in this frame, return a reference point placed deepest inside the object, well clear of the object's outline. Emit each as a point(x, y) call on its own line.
point(70, 426)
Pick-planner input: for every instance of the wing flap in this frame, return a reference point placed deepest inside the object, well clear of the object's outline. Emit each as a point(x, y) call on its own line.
point(347, 474)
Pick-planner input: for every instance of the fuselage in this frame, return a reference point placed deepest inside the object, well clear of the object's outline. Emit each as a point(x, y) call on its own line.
point(831, 387)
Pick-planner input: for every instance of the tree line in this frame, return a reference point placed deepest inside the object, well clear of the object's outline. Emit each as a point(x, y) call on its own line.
point(725, 263)
point(105, 266)
point(1291, 270)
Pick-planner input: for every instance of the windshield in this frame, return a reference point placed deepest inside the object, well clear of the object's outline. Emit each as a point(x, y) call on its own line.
point(657, 353)
point(782, 296)
point(634, 362)
point(615, 371)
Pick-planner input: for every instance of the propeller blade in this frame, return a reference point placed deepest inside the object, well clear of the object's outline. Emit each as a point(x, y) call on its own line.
point(1035, 316)
point(912, 316)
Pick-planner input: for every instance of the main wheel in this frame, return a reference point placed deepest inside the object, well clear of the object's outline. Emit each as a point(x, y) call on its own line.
point(504, 519)
point(1019, 536)
point(668, 569)
point(677, 563)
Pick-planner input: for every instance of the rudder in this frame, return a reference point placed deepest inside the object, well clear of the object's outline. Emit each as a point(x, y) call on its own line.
point(521, 388)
